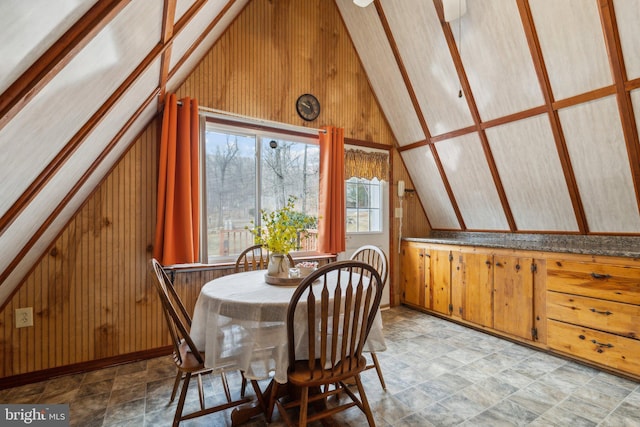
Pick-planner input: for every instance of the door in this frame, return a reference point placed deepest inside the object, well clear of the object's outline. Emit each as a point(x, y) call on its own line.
point(513, 295)
point(413, 274)
point(472, 287)
point(440, 283)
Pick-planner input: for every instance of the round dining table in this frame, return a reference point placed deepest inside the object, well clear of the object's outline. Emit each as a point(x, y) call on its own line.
point(239, 321)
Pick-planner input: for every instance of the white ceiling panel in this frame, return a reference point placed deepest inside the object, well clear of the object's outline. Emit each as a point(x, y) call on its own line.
point(31, 27)
point(466, 168)
point(74, 95)
point(532, 176)
point(572, 45)
point(628, 19)
point(496, 58)
point(377, 58)
point(194, 29)
point(182, 6)
point(430, 188)
point(426, 57)
point(599, 158)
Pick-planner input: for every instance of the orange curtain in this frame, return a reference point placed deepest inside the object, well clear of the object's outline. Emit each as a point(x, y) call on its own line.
point(178, 210)
point(331, 212)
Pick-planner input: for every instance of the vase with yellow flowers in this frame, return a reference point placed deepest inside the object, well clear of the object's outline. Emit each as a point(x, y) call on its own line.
point(280, 232)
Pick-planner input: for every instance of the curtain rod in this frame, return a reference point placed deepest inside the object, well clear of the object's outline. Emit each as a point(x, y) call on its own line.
point(211, 112)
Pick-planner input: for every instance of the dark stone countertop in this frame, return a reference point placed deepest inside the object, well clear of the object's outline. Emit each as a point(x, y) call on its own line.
point(621, 246)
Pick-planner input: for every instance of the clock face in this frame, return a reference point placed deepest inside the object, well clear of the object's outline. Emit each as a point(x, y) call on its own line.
point(308, 107)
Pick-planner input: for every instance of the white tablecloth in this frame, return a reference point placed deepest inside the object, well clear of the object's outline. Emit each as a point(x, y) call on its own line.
point(240, 321)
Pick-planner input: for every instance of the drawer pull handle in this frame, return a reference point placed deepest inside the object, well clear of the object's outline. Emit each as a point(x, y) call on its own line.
point(606, 313)
point(599, 344)
point(600, 276)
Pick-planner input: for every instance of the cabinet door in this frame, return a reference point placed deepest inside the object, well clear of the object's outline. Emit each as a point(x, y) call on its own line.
point(513, 295)
point(412, 274)
point(472, 289)
point(440, 281)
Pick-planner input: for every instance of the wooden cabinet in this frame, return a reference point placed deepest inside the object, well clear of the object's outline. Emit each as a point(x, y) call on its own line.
point(513, 294)
point(426, 278)
point(472, 287)
point(440, 283)
point(580, 306)
point(413, 274)
point(593, 312)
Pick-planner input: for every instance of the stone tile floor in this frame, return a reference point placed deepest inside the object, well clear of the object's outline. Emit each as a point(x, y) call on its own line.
point(438, 374)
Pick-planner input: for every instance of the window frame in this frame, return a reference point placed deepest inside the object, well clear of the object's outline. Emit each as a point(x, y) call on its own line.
point(246, 127)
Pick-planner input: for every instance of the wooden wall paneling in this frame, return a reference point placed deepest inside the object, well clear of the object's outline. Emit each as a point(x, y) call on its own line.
point(627, 16)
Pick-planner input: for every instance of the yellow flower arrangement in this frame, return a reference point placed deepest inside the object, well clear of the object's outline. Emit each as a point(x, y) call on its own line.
point(280, 229)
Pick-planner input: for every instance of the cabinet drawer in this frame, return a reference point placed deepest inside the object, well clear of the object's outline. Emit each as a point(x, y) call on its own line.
point(606, 349)
point(611, 282)
point(609, 316)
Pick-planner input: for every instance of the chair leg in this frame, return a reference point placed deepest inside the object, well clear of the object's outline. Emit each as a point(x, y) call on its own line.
point(176, 383)
point(378, 369)
point(200, 392)
point(365, 402)
point(243, 388)
point(225, 386)
point(304, 403)
point(183, 395)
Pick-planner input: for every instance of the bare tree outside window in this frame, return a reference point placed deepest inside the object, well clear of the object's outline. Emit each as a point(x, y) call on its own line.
point(246, 173)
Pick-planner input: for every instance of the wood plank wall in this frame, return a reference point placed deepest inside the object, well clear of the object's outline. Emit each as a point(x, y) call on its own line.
point(92, 296)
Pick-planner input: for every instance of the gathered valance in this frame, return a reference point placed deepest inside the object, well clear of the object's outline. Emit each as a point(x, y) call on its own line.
point(366, 165)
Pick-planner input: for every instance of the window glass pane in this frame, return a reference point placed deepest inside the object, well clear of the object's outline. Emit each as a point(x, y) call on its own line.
point(364, 200)
point(230, 173)
point(291, 168)
point(247, 172)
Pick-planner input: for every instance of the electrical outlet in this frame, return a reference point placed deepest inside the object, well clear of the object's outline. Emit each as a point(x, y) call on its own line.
point(398, 212)
point(24, 317)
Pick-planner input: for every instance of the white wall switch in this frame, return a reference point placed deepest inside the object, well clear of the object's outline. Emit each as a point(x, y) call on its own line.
point(398, 212)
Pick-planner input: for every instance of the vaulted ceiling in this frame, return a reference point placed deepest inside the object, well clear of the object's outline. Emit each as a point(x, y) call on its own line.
point(519, 116)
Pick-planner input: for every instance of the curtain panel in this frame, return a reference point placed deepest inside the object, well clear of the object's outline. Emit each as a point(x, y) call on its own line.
point(178, 201)
point(366, 165)
point(331, 210)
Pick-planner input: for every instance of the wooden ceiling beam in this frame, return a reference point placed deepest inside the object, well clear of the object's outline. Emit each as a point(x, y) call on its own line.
point(29, 84)
point(556, 128)
point(418, 111)
point(623, 97)
point(168, 19)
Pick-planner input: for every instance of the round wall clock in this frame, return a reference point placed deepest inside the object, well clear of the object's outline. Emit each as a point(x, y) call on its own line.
point(308, 107)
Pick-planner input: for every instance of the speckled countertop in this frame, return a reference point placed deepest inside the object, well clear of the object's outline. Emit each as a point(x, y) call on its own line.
point(623, 246)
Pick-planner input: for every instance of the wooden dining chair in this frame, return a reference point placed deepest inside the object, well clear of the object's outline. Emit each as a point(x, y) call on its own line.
point(255, 257)
point(330, 315)
point(188, 359)
point(375, 257)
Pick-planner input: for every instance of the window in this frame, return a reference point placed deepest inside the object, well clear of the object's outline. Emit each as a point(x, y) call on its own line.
point(246, 171)
point(364, 205)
